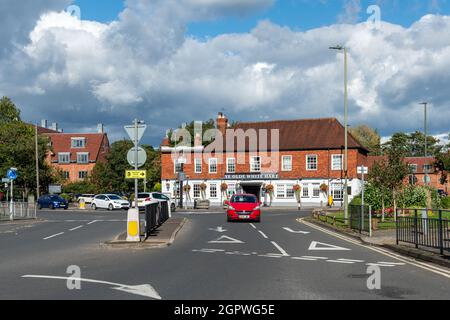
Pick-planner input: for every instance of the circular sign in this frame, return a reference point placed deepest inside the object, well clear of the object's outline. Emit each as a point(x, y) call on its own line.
point(142, 157)
point(12, 174)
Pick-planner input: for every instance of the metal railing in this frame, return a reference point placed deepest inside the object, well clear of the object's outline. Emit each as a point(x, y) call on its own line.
point(360, 218)
point(17, 211)
point(415, 226)
point(156, 214)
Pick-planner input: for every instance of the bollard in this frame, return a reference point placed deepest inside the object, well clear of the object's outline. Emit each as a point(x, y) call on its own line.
point(82, 204)
point(133, 234)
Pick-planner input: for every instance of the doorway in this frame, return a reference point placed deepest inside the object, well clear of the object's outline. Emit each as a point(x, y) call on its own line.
point(252, 188)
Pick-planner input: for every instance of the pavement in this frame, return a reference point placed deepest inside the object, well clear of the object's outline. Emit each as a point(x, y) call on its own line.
point(281, 258)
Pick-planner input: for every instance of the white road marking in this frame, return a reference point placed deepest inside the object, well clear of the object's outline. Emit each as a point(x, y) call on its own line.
point(144, 290)
point(218, 229)
point(76, 228)
point(284, 253)
point(253, 226)
point(380, 265)
point(264, 235)
point(339, 261)
point(270, 256)
point(227, 240)
point(350, 260)
point(92, 222)
point(422, 265)
point(319, 246)
point(299, 232)
point(393, 263)
point(316, 258)
point(305, 259)
point(55, 235)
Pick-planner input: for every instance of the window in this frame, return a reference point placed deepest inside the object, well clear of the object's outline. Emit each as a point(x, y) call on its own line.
point(179, 167)
point(66, 175)
point(198, 166)
point(305, 191)
point(428, 168)
point(231, 165)
point(63, 158)
point(213, 165)
point(231, 189)
point(337, 191)
point(196, 190)
point(255, 164)
point(316, 190)
point(311, 162)
point(287, 163)
point(78, 143)
point(412, 168)
point(213, 191)
point(336, 162)
point(281, 191)
point(82, 175)
point(290, 194)
point(82, 158)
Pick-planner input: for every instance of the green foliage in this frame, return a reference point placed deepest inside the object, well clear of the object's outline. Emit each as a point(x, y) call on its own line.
point(66, 197)
point(157, 187)
point(207, 125)
point(445, 203)
point(368, 137)
point(443, 165)
point(8, 111)
point(413, 145)
point(82, 187)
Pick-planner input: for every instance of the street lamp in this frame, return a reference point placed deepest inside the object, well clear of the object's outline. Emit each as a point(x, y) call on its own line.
point(425, 104)
point(342, 48)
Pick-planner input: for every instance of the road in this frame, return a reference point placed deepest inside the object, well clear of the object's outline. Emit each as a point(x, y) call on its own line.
point(279, 258)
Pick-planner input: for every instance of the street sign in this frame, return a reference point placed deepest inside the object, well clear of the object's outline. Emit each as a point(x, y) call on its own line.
point(12, 174)
point(136, 174)
point(140, 132)
point(142, 157)
point(5, 180)
point(360, 170)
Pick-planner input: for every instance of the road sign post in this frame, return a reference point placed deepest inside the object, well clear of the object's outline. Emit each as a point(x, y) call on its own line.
point(12, 175)
point(362, 170)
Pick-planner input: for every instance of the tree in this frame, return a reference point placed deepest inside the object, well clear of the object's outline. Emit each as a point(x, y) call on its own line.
point(378, 179)
point(8, 111)
point(206, 125)
point(368, 137)
point(443, 165)
point(413, 144)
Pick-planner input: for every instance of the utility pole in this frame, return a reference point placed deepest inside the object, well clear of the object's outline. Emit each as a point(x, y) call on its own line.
point(37, 164)
point(425, 104)
point(136, 166)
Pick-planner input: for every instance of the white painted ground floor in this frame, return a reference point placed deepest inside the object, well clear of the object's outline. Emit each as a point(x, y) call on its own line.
point(283, 193)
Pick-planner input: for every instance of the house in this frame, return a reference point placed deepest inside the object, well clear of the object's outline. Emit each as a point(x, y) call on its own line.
point(75, 154)
point(253, 155)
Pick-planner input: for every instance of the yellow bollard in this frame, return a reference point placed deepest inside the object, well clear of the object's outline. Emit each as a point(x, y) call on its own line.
point(133, 234)
point(82, 204)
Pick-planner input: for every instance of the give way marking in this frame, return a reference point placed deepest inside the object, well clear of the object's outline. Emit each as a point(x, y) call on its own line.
point(227, 240)
point(299, 232)
point(218, 229)
point(319, 246)
point(144, 290)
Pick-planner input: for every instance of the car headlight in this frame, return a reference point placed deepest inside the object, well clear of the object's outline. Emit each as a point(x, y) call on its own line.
point(257, 208)
point(231, 208)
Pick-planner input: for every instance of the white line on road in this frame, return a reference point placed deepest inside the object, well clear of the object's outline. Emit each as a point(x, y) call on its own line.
point(264, 235)
point(339, 261)
point(305, 259)
point(55, 235)
point(393, 263)
point(92, 222)
point(76, 228)
point(316, 258)
point(284, 253)
point(350, 260)
point(253, 226)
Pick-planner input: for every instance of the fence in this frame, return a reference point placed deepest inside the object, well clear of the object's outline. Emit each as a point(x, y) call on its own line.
point(360, 218)
point(156, 214)
point(18, 211)
point(423, 230)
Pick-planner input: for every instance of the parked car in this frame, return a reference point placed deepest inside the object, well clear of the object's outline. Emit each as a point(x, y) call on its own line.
point(88, 198)
point(146, 198)
point(243, 207)
point(52, 202)
point(110, 202)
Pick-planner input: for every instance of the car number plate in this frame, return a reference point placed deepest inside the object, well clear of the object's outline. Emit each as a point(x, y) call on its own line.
point(244, 217)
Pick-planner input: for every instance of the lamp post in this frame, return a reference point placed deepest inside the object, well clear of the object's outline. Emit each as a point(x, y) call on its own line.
point(342, 48)
point(425, 105)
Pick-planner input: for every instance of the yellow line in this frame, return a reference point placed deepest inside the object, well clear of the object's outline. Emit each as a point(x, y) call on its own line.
point(425, 266)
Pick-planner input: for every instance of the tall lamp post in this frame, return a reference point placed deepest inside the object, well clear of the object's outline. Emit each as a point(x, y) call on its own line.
point(342, 48)
point(425, 105)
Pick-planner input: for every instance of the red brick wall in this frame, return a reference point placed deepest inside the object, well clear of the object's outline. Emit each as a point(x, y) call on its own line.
point(298, 164)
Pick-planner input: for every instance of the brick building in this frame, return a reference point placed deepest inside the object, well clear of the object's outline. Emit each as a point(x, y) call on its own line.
point(309, 153)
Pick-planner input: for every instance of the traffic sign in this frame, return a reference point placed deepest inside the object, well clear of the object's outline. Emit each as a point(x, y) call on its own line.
point(5, 180)
point(12, 174)
point(140, 132)
point(360, 170)
point(142, 157)
point(136, 174)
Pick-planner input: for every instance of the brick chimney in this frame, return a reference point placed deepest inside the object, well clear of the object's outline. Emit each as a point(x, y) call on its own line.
point(222, 123)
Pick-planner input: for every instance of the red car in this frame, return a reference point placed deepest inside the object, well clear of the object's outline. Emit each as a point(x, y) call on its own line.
point(244, 207)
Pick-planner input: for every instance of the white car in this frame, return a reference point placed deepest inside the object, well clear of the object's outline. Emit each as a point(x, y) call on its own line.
point(110, 202)
point(88, 198)
point(146, 198)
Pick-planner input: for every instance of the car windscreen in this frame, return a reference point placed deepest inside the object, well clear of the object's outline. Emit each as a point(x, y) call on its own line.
point(114, 197)
point(143, 195)
point(55, 198)
point(243, 199)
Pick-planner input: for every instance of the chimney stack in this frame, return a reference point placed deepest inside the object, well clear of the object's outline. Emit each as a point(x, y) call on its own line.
point(54, 126)
point(222, 123)
point(100, 128)
point(44, 124)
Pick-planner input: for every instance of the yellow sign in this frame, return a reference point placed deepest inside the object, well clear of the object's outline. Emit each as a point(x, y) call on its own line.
point(138, 174)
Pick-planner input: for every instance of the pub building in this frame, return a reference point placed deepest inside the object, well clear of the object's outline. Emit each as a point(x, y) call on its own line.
point(307, 153)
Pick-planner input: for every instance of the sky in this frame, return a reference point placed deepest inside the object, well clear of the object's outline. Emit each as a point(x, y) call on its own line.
point(174, 61)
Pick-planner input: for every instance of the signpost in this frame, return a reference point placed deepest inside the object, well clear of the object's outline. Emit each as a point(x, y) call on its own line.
point(12, 175)
point(142, 157)
point(136, 132)
point(363, 171)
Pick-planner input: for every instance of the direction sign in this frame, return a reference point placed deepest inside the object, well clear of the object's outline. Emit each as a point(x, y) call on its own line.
point(12, 174)
point(140, 132)
point(5, 180)
point(360, 170)
point(136, 174)
point(142, 157)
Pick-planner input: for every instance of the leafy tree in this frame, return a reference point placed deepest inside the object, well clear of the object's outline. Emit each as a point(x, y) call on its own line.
point(81, 187)
point(443, 165)
point(207, 125)
point(413, 144)
point(8, 111)
point(368, 137)
point(378, 181)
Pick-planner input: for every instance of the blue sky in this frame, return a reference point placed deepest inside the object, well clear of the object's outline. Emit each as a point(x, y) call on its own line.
point(296, 14)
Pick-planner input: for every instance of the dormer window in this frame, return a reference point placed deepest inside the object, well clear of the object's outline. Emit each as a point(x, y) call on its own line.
point(78, 143)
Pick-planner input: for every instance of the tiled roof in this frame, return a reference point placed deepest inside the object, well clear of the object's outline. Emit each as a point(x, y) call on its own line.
point(62, 142)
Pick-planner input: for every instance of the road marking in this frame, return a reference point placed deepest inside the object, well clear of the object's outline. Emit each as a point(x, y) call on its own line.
point(264, 235)
point(393, 263)
point(209, 250)
point(271, 256)
point(422, 265)
point(305, 259)
point(144, 290)
point(350, 260)
point(92, 222)
point(299, 232)
point(380, 265)
point(253, 226)
point(339, 261)
point(316, 258)
point(76, 228)
point(227, 240)
point(284, 253)
point(319, 246)
point(218, 229)
point(53, 236)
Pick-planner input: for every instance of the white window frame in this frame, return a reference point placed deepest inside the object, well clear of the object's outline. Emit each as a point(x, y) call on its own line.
point(79, 154)
point(83, 178)
point(66, 154)
point(307, 162)
point(175, 164)
point(213, 188)
point(280, 191)
point(253, 164)
point(305, 191)
point(290, 193)
point(211, 161)
point(341, 166)
point(197, 190)
point(413, 167)
point(198, 163)
point(76, 146)
point(283, 167)
point(229, 161)
point(316, 190)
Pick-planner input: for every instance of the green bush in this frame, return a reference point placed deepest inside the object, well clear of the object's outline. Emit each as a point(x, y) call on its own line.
point(157, 187)
point(445, 203)
point(83, 187)
point(357, 201)
point(66, 197)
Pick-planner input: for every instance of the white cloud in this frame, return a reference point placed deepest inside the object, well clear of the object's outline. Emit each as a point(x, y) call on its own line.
point(143, 65)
